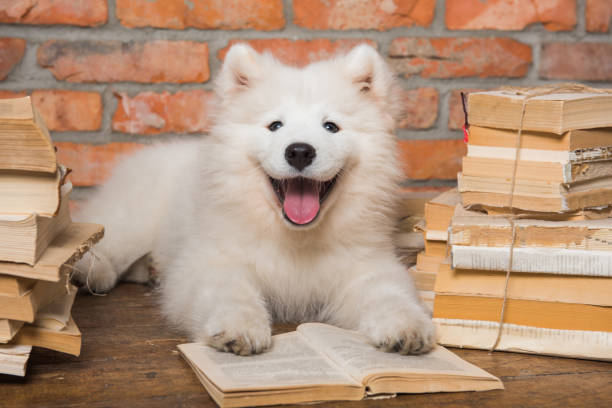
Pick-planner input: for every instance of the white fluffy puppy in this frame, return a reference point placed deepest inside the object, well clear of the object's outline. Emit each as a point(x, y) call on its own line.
point(284, 211)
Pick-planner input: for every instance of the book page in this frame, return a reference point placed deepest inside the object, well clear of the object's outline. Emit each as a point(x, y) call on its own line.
point(290, 363)
point(358, 357)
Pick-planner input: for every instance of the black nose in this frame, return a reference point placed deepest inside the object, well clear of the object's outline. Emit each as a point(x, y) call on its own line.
point(300, 155)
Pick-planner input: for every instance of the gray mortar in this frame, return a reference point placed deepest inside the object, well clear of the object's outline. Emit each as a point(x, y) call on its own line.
point(28, 75)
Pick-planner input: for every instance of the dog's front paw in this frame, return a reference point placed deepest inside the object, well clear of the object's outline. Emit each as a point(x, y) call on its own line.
point(242, 334)
point(407, 330)
point(94, 272)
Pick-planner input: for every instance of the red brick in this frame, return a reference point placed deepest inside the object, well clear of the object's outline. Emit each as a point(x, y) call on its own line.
point(598, 15)
point(73, 12)
point(12, 94)
point(456, 117)
point(64, 110)
point(151, 113)
point(431, 159)
point(460, 57)
point(11, 52)
point(217, 14)
point(577, 61)
point(114, 61)
point(299, 52)
point(555, 15)
point(420, 108)
point(366, 15)
point(92, 164)
point(69, 110)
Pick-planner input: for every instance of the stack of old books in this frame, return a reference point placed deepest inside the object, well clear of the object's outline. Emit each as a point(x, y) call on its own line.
point(38, 241)
point(556, 239)
point(434, 231)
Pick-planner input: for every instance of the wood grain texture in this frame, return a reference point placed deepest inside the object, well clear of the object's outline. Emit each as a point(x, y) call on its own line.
point(129, 359)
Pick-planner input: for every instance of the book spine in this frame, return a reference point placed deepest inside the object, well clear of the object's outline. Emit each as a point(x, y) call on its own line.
point(525, 339)
point(534, 260)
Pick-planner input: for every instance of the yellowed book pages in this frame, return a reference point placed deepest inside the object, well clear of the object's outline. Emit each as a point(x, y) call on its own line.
point(25, 143)
point(534, 170)
point(25, 193)
point(554, 113)
point(323, 363)
point(483, 230)
point(534, 195)
point(65, 250)
point(477, 334)
point(551, 315)
point(24, 307)
point(8, 329)
point(588, 290)
point(583, 214)
point(12, 286)
point(67, 340)
point(13, 359)
point(26, 237)
point(571, 140)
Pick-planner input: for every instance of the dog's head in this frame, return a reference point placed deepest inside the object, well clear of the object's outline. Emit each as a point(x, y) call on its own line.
point(304, 132)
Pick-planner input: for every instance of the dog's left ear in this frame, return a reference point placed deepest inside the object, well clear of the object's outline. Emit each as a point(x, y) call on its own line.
point(369, 72)
point(241, 68)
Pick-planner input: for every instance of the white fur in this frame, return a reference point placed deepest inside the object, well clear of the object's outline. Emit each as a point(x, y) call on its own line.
point(207, 215)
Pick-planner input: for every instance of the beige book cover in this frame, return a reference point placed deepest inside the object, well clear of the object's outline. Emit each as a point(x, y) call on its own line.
point(568, 141)
point(319, 362)
point(555, 112)
point(14, 359)
point(65, 250)
point(439, 211)
point(8, 329)
point(536, 313)
point(12, 286)
point(26, 237)
point(25, 307)
point(478, 334)
point(588, 290)
point(66, 340)
point(25, 143)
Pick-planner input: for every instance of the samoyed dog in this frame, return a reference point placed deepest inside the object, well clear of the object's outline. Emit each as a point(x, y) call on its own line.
point(284, 212)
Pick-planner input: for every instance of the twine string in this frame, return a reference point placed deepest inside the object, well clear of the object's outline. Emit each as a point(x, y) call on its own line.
point(74, 269)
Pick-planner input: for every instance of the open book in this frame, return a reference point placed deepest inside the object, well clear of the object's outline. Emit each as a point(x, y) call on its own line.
point(319, 362)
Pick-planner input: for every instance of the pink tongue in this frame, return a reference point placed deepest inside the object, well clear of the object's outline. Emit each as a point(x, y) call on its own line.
point(301, 201)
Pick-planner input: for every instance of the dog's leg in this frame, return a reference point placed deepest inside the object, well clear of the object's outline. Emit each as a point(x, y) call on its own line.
point(382, 303)
point(216, 303)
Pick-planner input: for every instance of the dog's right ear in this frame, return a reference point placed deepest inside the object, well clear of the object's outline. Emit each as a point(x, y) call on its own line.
point(240, 69)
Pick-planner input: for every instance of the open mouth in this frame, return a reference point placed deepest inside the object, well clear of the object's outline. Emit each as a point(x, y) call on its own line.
point(301, 198)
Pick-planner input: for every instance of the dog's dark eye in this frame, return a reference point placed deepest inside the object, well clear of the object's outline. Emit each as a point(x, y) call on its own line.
point(274, 126)
point(331, 127)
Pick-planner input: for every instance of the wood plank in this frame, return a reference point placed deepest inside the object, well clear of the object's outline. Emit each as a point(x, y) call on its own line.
point(129, 358)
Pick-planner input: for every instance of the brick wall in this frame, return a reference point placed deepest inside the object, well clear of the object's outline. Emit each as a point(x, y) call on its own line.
point(110, 76)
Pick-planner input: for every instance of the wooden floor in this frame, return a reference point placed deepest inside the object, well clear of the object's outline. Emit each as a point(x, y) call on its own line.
point(129, 359)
